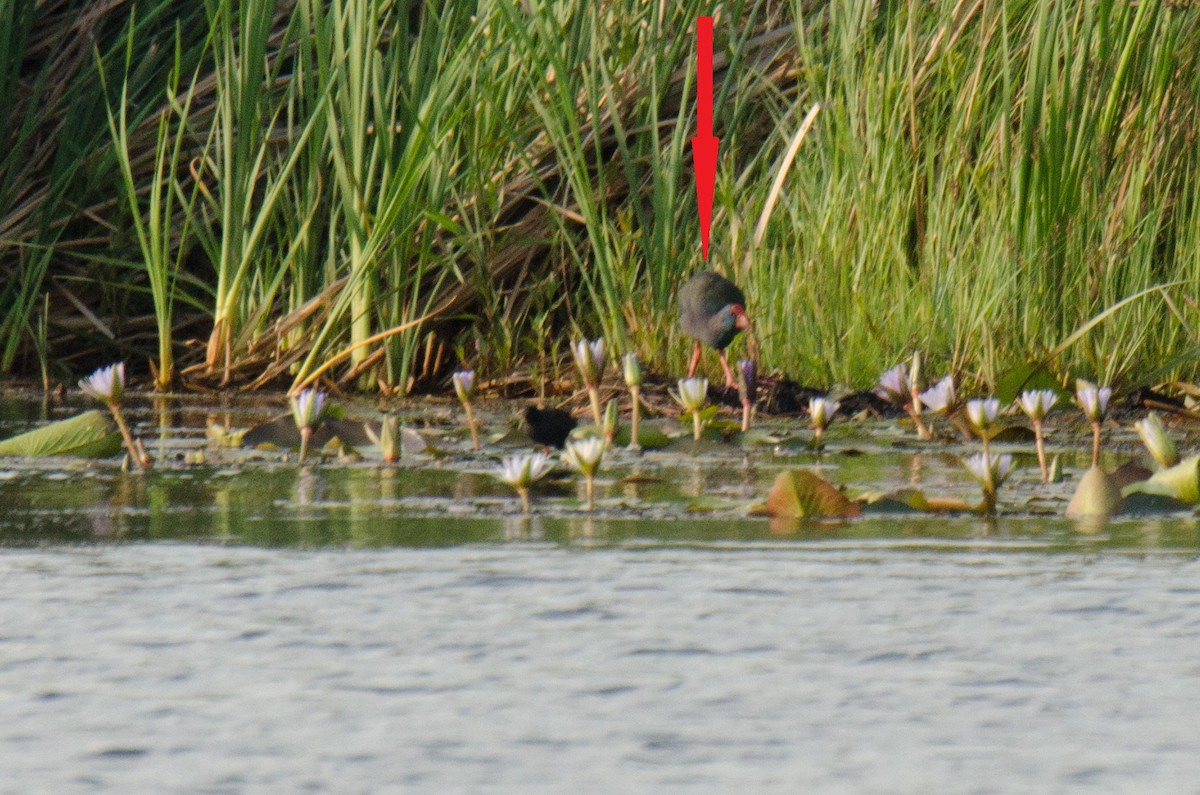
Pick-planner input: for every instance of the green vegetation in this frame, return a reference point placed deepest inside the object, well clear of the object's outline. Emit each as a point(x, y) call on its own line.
point(376, 193)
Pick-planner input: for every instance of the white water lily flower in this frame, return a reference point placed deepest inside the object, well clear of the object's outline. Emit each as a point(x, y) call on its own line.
point(821, 411)
point(1154, 436)
point(307, 408)
point(633, 370)
point(989, 471)
point(693, 392)
point(586, 454)
point(107, 384)
point(464, 384)
point(522, 471)
point(982, 413)
point(1036, 403)
point(589, 358)
point(1092, 399)
point(940, 397)
point(893, 386)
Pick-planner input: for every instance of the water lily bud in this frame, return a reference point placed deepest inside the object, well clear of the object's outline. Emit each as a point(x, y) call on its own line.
point(633, 370)
point(1154, 436)
point(389, 439)
point(611, 418)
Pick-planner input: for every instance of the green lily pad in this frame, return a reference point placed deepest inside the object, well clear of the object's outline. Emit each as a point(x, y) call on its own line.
point(650, 436)
point(755, 437)
point(1096, 496)
point(89, 435)
point(1181, 482)
point(1141, 504)
point(800, 493)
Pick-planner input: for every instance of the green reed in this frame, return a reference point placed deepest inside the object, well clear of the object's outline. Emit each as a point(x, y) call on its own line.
point(386, 188)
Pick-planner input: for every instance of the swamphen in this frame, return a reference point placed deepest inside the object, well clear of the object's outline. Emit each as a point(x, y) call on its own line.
point(712, 310)
point(549, 427)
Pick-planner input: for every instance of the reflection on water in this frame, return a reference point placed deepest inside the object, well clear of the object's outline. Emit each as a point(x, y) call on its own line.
point(370, 506)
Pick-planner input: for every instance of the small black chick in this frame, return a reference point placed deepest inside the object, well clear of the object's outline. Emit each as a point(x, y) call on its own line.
point(549, 427)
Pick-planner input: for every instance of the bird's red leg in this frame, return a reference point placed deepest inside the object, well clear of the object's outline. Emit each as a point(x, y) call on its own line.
point(695, 360)
point(729, 382)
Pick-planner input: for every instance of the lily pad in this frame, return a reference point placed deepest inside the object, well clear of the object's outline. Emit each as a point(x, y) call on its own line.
point(1141, 504)
point(281, 434)
point(904, 501)
point(800, 493)
point(1096, 496)
point(89, 435)
point(650, 435)
point(1181, 482)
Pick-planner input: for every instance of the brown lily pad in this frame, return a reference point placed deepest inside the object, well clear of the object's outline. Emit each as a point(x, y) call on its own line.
point(802, 494)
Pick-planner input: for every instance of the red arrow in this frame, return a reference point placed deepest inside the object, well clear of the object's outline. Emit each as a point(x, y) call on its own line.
point(704, 144)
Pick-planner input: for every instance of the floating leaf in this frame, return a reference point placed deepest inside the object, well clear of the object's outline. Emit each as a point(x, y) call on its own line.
point(900, 501)
point(800, 493)
point(707, 415)
point(1181, 482)
point(281, 434)
point(754, 437)
point(1141, 504)
point(89, 435)
point(1096, 496)
point(1129, 473)
point(904, 501)
point(650, 436)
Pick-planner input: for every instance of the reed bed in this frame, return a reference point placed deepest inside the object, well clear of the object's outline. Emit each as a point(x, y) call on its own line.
point(375, 193)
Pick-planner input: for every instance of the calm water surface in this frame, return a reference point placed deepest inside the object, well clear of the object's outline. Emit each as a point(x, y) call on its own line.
point(255, 627)
point(532, 667)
